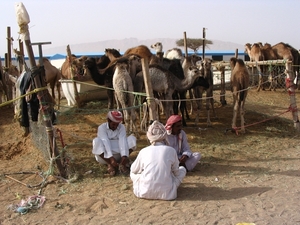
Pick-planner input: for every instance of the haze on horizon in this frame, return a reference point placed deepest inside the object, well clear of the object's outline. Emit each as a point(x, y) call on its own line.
point(75, 22)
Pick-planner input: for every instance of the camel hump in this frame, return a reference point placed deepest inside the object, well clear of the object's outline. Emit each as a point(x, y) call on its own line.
point(142, 51)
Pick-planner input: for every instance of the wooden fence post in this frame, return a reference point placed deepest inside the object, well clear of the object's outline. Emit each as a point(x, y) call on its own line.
point(149, 90)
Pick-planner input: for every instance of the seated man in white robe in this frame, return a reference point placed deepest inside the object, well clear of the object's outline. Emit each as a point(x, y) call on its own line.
point(156, 173)
point(112, 146)
point(178, 140)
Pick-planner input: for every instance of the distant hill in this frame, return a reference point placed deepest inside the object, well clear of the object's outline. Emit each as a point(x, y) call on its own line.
point(124, 44)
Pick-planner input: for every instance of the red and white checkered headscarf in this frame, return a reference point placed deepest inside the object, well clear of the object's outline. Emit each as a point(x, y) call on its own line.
point(115, 116)
point(172, 119)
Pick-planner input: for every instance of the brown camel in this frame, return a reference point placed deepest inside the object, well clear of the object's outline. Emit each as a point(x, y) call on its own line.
point(142, 51)
point(77, 67)
point(287, 52)
point(239, 86)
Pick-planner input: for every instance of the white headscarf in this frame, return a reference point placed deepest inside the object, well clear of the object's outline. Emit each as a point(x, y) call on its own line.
point(156, 132)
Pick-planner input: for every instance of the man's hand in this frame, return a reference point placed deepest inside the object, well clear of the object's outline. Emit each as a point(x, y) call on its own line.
point(183, 158)
point(113, 162)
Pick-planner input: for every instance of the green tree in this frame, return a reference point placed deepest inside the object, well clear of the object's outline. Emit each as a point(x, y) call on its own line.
point(193, 43)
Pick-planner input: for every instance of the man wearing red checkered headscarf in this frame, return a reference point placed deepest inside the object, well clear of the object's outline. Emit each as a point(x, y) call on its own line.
point(112, 146)
point(177, 138)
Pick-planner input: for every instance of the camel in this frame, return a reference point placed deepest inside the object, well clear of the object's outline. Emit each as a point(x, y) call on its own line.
point(52, 77)
point(286, 52)
point(255, 54)
point(159, 56)
point(9, 78)
point(77, 67)
point(175, 67)
point(199, 90)
point(165, 83)
point(239, 86)
point(112, 54)
point(269, 54)
point(93, 67)
point(189, 61)
point(174, 53)
point(122, 84)
point(158, 47)
point(102, 71)
point(142, 51)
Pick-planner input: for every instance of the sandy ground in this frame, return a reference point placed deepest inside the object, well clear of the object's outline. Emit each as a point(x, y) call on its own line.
point(252, 177)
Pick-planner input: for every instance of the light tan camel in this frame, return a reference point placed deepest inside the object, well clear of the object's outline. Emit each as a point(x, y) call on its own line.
point(269, 54)
point(123, 87)
point(255, 54)
point(52, 77)
point(239, 86)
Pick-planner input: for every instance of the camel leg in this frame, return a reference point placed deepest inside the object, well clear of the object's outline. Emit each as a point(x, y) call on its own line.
point(191, 97)
point(208, 111)
point(198, 95)
point(235, 109)
point(143, 124)
point(259, 80)
point(58, 93)
point(242, 113)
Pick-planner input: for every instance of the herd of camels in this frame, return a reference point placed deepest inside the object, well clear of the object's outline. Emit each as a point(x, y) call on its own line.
point(172, 76)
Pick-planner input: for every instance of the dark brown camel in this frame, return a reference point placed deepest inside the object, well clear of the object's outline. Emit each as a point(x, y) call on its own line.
point(199, 90)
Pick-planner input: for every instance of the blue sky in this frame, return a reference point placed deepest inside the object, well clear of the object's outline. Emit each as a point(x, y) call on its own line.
point(64, 22)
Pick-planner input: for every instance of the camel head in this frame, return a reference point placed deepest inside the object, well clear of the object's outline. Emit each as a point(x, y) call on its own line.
point(112, 51)
point(158, 47)
point(247, 48)
point(232, 62)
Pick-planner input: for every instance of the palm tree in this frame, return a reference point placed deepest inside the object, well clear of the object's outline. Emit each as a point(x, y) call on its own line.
point(193, 43)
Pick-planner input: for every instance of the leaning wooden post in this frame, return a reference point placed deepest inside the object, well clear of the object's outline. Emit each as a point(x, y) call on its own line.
point(21, 56)
point(38, 75)
point(291, 90)
point(149, 91)
point(9, 47)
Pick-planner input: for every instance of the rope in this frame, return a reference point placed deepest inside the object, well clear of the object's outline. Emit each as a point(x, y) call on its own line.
point(22, 96)
point(236, 129)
